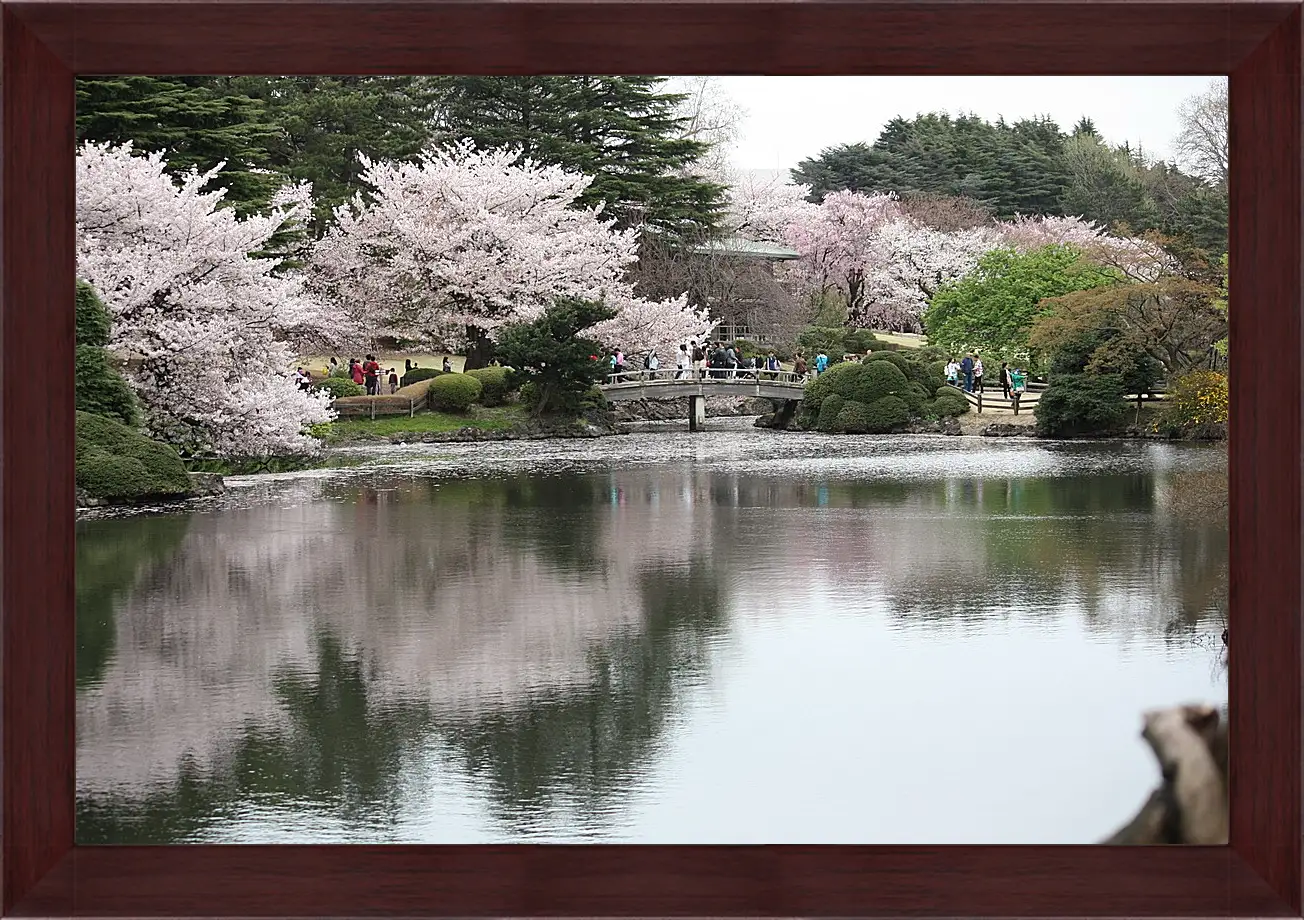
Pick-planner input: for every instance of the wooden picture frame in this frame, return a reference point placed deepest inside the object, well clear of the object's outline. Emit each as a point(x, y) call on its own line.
point(47, 42)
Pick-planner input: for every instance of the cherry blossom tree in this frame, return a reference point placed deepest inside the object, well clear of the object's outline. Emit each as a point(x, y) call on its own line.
point(762, 206)
point(1137, 258)
point(203, 324)
point(912, 262)
point(460, 243)
point(839, 247)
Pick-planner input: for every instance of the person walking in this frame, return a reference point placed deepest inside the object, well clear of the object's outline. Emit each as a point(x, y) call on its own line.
point(653, 364)
point(799, 366)
point(407, 365)
point(966, 372)
point(355, 372)
point(821, 363)
point(682, 362)
point(448, 365)
point(731, 361)
point(1005, 379)
point(953, 372)
point(393, 381)
point(977, 373)
point(772, 365)
point(698, 354)
point(371, 373)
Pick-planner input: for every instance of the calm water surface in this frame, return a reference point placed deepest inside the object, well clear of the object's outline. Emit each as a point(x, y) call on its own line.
point(729, 637)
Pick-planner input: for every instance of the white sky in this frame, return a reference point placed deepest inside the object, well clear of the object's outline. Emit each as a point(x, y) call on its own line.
point(791, 118)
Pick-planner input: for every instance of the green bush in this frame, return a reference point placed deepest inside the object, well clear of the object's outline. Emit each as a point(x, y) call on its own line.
point(454, 392)
point(829, 409)
point(117, 463)
point(859, 341)
point(98, 385)
point(1081, 404)
point(877, 379)
point(950, 403)
point(852, 418)
point(340, 387)
point(340, 370)
point(495, 384)
point(594, 398)
point(1196, 406)
point(916, 371)
point(887, 414)
point(814, 339)
point(420, 373)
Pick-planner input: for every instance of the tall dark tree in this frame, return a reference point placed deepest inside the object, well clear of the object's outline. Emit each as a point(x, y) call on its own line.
point(623, 131)
point(199, 121)
point(326, 123)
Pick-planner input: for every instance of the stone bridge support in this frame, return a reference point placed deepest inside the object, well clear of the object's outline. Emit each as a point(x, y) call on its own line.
point(696, 413)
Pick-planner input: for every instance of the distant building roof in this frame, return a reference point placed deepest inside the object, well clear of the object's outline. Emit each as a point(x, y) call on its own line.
point(749, 249)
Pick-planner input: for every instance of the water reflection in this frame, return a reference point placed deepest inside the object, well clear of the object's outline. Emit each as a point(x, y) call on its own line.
point(642, 647)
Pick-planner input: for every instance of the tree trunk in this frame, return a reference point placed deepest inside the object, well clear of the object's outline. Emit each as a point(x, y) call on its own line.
point(1190, 805)
point(479, 348)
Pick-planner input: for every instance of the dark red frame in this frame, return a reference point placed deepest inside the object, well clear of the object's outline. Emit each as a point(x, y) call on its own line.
point(46, 43)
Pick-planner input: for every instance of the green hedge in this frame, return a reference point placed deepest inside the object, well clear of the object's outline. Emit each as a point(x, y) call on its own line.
point(888, 414)
point(340, 387)
point(495, 384)
point(117, 463)
point(1081, 404)
point(420, 373)
point(852, 418)
point(950, 403)
point(830, 406)
point(454, 392)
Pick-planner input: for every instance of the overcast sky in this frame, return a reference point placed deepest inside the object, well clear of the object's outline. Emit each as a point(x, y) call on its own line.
point(791, 118)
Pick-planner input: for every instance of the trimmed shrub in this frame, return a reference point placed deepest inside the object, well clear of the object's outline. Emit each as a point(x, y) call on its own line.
point(495, 384)
point(886, 415)
point(876, 379)
point(949, 403)
point(829, 409)
point(339, 387)
point(853, 418)
point(920, 372)
point(859, 341)
point(1081, 404)
point(117, 463)
point(454, 392)
point(419, 373)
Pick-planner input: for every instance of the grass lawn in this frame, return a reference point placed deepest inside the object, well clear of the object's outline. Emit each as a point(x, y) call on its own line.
point(344, 431)
point(905, 341)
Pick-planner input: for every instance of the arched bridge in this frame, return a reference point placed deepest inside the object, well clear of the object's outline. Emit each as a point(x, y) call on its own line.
point(671, 383)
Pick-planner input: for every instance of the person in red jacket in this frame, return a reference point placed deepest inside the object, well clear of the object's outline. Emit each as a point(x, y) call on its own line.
point(371, 371)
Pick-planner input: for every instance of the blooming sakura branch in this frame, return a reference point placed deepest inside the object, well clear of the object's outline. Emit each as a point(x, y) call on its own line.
point(460, 243)
point(203, 324)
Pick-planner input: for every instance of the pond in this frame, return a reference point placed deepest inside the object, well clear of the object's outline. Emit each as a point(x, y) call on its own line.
point(737, 636)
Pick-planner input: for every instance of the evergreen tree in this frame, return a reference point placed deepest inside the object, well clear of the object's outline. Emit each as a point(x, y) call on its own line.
point(198, 120)
point(324, 123)
point(623, 131)
point(99, 387)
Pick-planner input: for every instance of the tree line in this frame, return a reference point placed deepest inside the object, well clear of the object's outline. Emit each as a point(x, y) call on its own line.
point(1033, 167)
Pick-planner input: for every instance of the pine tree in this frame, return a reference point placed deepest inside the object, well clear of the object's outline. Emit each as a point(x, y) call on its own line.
point(620, 130)
point(197, 120)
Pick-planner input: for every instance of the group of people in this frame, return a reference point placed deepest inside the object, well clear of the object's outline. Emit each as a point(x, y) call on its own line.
point(366, 373)
point(967, 373)
point(699, 361)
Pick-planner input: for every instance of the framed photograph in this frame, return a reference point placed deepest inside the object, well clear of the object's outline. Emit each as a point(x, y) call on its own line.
point(49, 44)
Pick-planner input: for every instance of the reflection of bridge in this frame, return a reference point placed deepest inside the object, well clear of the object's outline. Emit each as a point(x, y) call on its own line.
point(697, 385)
